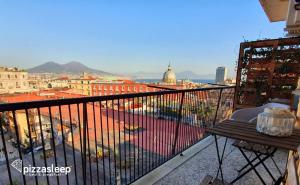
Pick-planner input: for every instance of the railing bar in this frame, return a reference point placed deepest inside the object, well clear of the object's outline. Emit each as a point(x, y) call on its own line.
point(138, 136)
point(205, 95)
point(177, 127)
point(73, 151)
point(158, 136)
point(167, 107)
point(63, 141)
point(129, 145)
point(5, 153)
point(120, 152)
point(31, 143)
point(124, 131)
point(18, 141)
point(178, 123)
point(133, 131)
point(218, 105)
point(165, 131)
point(147, 138)
point(81, 140)
point(102, 143)
point(180, 140)
point(143, 147)
point(184, 123)
point(96, 147)
point(84, 120)
point(43, 143)
point(207, 120)
point(108, 143)
point(114, 136)
point(196, 124)
point(160, 126)
point(193, 127)
point(153, 134)
point(156, 132)
point(89, 150)
point(201, 103)
point(53, 140)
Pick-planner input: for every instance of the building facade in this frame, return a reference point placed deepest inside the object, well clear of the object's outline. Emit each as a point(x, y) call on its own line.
point(221, 75)
point(13, 80)
point(82, 85)
point(103, 89)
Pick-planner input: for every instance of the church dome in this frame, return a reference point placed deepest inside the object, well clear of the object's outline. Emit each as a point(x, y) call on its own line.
point(169, 76)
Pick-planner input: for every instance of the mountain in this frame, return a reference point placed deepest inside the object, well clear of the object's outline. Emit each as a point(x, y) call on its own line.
point(179, 75)
point(71, 67)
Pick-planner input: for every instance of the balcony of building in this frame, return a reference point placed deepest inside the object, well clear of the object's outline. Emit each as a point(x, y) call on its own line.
point(148, 138)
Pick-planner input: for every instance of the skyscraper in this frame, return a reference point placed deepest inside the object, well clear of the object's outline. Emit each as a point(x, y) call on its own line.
point(221, 75)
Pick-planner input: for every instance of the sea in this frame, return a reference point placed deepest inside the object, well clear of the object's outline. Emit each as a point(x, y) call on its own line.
point(206, 81)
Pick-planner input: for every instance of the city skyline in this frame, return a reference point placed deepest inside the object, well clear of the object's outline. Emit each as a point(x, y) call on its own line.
point(131, 36)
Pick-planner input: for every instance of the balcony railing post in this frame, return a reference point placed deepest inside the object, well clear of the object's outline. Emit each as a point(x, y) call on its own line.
point(218, 106)
point(5, 150)
point(84, 142)
point(178, 122)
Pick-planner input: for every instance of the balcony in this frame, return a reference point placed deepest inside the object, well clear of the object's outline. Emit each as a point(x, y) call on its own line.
point(109, 144)
point(145, 138)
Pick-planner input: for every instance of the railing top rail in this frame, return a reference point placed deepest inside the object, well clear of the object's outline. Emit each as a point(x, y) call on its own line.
point(68, 101)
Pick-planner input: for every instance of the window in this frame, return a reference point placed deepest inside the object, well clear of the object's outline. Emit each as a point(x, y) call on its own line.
point(128, 88)
point(110, 88)
point(122, 88)
point(1, 85)
point(134, 88)
point(16, 76)
point(117, 88)
point(8, 76)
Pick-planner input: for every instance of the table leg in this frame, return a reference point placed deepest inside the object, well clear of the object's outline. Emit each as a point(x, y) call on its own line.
point(262, 162)
point(253, 160)
point(255, 165)
point(220, 158)
point(252, 166)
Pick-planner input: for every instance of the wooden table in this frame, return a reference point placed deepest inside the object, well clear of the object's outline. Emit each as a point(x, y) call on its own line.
point(247, 132)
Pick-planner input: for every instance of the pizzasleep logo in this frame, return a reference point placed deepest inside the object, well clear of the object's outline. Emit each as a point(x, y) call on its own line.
point(40, 171)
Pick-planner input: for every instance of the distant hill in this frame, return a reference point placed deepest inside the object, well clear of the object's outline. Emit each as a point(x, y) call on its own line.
point(180, 75)
point(71, 67)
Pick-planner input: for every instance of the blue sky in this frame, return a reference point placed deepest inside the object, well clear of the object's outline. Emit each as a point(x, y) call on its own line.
point(124, 36)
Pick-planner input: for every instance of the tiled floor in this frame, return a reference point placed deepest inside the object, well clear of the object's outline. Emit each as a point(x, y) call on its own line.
point(192, 171)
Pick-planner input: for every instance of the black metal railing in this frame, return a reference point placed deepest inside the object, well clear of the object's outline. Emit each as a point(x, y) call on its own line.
point(106, 139)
